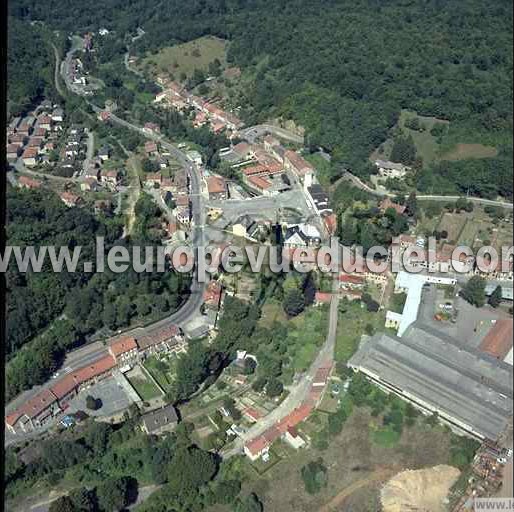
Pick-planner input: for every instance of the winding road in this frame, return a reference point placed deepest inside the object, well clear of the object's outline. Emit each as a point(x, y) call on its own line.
point(427, 197)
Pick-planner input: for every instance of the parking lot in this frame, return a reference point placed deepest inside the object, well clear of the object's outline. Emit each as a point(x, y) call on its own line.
point(113, 396)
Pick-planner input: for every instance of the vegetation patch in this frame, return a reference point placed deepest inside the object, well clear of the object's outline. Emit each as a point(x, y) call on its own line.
point(181, 61)
point(145, 388)
point(465, 151)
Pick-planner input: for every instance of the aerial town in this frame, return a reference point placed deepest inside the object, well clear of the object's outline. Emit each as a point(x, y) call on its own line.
point(356, 387)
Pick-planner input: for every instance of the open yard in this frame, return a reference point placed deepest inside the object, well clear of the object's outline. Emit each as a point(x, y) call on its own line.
point(184, 58)
point(475, 229)
point(162, 370)
point(144, 387)
point(357, 466)
point(353, 319)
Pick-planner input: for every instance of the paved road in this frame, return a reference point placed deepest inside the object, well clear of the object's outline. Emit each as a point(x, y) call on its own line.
point(299, 392)
point(254, 132)
point(89, 152)
point(428, 197)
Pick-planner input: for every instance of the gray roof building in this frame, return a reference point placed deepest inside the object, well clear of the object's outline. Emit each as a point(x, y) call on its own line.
point(469, 389)
point(161, 420)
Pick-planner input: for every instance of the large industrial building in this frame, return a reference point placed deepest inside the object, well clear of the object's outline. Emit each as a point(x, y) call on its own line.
point(469, 389)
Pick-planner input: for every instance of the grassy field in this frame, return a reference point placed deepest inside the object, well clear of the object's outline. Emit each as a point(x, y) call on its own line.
point(352, 321)
point(185, 58)
point(145, 388)
point(464, 151)
point(161, 371)
point(431, 148)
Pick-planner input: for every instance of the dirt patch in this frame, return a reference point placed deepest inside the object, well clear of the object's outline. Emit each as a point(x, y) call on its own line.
point(464, 151)
point(423, 489)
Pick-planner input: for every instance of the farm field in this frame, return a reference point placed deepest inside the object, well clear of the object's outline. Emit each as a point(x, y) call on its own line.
point(475, 229)
point(184, 58)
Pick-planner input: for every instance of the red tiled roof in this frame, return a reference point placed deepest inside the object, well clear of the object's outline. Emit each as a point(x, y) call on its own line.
point(13, 148)
point(212, 293)
point(300, 164)
point(29, 182)
point(96, 368)
point(256, 446)
point(331, 223)
point(160, 336)
point(295, 418)
point(387, 203)
point(216, 185)
point(260, 182)
point(33, 407)
point(347, 278)
point(30, 152)
point(252, 413)
point(498, 340)
point(150, 147)
point(323, 297)
point(122, 345)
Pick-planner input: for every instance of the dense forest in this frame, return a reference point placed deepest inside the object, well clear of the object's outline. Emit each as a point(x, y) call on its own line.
point(29, 66)
point(343, 69)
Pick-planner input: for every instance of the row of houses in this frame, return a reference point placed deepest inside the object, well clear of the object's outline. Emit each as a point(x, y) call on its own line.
point(179, 98)
point(445, 258)
point(34, 136)
point(122, 354)
point(286, 428)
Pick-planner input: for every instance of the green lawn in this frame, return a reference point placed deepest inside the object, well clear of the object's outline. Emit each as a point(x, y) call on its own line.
point(352, 321)
point(186, 57)
point(385, 437)
point(161, 371)
point(145, 388)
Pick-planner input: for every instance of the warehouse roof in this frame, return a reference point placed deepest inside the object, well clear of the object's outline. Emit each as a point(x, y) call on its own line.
point(463, 383)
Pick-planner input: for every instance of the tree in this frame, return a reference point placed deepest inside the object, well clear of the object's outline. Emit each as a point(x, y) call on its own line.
point(411, 205)
point(250, 503)
point(404, 150)
point(259, 384)
point(294, 302)
point(93, 403)
point(249, 366)
point(62, 504)
point(274, 388)
point(474, 291)
point(495, 297)
point(117, 493)
point(314, 476)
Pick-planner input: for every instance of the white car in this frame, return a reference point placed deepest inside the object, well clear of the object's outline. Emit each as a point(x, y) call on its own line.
point(501, 460)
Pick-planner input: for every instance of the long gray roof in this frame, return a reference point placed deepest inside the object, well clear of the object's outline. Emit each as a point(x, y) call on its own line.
point(464, 383)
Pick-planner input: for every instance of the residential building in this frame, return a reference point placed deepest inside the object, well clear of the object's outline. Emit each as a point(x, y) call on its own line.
point(153, 179)
point(45, 122)
point(160, 421)
point(151, 148)
point(387, 203)
point(32, 414)
point(69, 199)
point(217, 188)
point(388, 169)
point(89, 185)
point(167, 339)
point(322, 298)
point(111, 178)
point(297, 164)
point(124, 350)
point(498, 341)
point(58, 115)
point(293, 439)
point(104, 153)
point(30, 156)
point(26, 182)
point(302, 235)
point(13, 151)
point(317, 198)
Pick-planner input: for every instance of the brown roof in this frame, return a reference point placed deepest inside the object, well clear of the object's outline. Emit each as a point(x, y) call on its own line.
point(164, 334)
point(29, 182)
point(300, 164)
point(387, 203)
point(216, 185)
point(498, 340)
point(13, 148)
point(33, 407)
point(30, 152)
point(324, 297)
point(122, 345)
point(260, 182)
